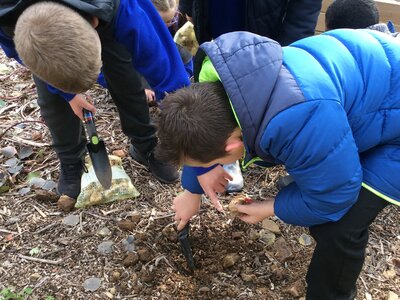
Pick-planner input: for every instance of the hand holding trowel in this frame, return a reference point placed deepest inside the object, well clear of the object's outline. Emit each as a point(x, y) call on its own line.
point(97, 151)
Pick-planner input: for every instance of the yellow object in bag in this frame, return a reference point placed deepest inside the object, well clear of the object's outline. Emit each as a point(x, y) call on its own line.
point(92, 192)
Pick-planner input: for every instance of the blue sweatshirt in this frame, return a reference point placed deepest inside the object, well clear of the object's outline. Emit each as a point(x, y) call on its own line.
point(139, 27)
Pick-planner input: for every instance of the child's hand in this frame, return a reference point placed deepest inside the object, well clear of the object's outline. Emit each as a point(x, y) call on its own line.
point(256, 211)
point(80, 102)
point(150, 96)
point(215, 180)
point(185, 205)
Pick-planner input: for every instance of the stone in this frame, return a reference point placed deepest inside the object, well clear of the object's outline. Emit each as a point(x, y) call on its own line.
point(271, 226)
point(131, 259)
point(105, 247)
point(145, 254)
point(65, 203)
point(126, 225)
point(136, 217)
point(34, 277)
point(71, 220)
point(92, 284)
point(268, 238)
point(282, 251)
point(229, 260)
point(305, 240)
point(129, 243)
point(392, 296)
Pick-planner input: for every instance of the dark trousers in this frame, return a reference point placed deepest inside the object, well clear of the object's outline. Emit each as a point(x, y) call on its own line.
point(127, 91)
point(340, 252)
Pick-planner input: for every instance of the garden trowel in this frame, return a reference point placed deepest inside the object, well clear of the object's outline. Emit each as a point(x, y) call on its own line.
point(97, 152)
point(183, 237)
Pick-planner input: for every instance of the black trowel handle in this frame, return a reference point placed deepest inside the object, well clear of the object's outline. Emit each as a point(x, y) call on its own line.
point(91, 129)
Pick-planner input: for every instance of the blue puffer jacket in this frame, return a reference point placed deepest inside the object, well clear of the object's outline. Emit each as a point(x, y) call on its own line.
point(136, 25)
point(327, 107)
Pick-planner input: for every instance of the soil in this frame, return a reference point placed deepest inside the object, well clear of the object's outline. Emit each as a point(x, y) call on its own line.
point(42, 249)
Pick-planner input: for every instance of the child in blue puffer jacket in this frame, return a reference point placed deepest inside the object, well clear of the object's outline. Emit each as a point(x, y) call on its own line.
point(327, 107)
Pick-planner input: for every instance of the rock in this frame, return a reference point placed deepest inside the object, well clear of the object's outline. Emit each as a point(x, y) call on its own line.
point(247, 277)
point(254, 235)
point(105, 247)
point(278, 273)
point(131, 259)
point(271, 226)
point(115, 276)
point(126, 225)
point(129, 243)
point(389, 274)
point(170, 233)
point(71, 220)
point(104, 231)
point(34, 277)
point(109, 295)
point(46, 196)
point(282, 252)
point(120, 153)
point(140, 237)
point(136, 217)
point(145, 254)
point(305, 240)
point(12, 220)
point(229, 260)
point(204, 290)
point(65, 203)
point(267, 237)
point(147, 276)
point(392, 296)
point(237, 235)
point(92, 284)
point(296, 289)
point(112, 291)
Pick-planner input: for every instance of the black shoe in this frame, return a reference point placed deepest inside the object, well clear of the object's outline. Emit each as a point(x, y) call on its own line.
point(284, 181)
point(69, 183)
point(163, 171)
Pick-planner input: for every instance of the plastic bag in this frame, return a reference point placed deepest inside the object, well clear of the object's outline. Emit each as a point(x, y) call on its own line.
point(92, 192)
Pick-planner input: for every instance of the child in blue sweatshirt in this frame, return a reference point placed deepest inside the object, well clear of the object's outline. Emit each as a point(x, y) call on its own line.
point(64, 44)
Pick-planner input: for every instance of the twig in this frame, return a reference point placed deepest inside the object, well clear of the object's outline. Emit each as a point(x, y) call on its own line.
point(52, 252)
point(39, 211)
point(40, 260)
point(16, 124)
point(164, 216)
point(45, 228)
point(26, 142)
point(7, 231)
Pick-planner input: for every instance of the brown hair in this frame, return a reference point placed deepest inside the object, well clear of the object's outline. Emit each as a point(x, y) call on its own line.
point(58, 45)
point(195, 122)
point(165, 5)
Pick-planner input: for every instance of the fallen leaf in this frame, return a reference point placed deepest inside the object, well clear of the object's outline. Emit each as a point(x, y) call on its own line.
point(25, 152)
point(34, 251)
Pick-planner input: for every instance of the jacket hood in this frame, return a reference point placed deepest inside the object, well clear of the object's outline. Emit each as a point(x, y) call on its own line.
point(249, 66)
